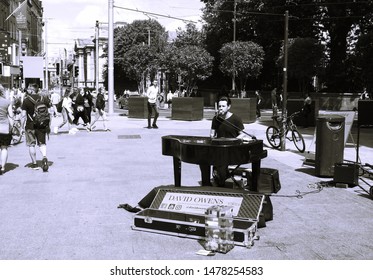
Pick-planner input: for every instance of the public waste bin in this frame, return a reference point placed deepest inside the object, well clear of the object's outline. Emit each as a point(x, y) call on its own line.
point(329, 144)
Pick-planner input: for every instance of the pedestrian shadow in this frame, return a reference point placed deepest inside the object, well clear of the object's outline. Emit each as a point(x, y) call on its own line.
point(39, 163)
point(10, 166)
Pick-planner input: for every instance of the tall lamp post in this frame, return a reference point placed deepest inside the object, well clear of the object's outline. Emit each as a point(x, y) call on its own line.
point(97, 66)
point(111, 57)
point(285, 83)
point(234, 42)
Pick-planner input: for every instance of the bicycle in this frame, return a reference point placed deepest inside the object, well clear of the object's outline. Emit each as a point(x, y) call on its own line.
point(274, 136)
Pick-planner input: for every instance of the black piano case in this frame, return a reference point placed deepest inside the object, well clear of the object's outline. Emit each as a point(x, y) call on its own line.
point(186, 218)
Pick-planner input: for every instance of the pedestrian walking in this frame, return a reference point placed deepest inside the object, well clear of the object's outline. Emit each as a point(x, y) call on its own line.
point(79, 111)
point(88, 104)
point(259, 100)
point(100, 111)
point(169, 99)
point(152, 94)
point(33, 111)
point(306, 109)
point(67, 112)
point(55, 99)
point(274, 102)
point(6, 122)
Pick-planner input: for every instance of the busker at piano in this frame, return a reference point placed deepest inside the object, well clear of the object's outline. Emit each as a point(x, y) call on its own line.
point(225, 124)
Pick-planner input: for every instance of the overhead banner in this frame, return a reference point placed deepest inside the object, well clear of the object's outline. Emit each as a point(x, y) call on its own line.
point(20, 14)
point(33, 66)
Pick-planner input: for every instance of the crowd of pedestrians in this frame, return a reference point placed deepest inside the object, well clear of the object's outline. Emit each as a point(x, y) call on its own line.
point(36, 108)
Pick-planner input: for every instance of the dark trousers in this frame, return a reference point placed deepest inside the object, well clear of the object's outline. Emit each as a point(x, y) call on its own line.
point(152, 107)
point(88, 112)
point(80, 114)
point(220, 175)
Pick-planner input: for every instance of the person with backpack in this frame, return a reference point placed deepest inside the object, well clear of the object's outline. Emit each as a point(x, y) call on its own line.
point(36, 124)
point(100, 110)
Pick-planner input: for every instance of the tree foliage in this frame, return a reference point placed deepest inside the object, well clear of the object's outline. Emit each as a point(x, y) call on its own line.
point(191, 63)
point(305, 58)
point(245, 59)
point(337, 24)
point(136, 49)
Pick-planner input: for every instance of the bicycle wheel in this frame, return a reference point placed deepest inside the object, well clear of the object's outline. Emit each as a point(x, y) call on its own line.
point(273, 136)
point(298, 140)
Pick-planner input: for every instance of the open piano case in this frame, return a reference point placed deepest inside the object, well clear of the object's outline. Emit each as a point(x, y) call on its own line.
point(180, 211)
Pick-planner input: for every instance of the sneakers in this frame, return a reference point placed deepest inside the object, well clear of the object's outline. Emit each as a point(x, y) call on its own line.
point(34, 166)
point(55, 129)
point(155, 126)
point(44, 164)
point(73, 131)
point(148, 127)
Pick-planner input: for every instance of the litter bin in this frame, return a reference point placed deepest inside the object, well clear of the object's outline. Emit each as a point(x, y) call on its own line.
point(329, 144)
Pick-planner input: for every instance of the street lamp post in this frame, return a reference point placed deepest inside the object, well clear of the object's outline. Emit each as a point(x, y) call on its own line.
point(234, 45)
point(111, 58)
point(46, 55)
point(97, 66)
point(285, 83)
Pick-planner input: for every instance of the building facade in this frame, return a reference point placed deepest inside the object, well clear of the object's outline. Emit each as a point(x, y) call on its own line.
point(21, 28)
point(85, 62)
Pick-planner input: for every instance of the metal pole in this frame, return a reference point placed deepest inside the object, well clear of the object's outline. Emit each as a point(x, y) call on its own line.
point(111, 58)
point(20, 62)
point(46, 55)
point(97, 64)
point(285, 83)
point(234, 44)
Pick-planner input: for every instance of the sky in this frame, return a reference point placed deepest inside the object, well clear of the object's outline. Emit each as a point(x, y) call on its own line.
point(67, 20)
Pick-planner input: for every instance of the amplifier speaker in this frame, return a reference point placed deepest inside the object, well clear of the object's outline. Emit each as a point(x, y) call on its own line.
point(365, 112)
point(346, 173)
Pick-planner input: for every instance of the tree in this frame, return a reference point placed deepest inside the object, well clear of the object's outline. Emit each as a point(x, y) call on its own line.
point(305, 57)
point(191, 63)
point(244, 58)
point(189, 37)
point(138, 61)
point(363, 58)
point(136, 49)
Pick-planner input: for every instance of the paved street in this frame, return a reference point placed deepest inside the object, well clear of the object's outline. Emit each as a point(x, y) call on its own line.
point(70, 212)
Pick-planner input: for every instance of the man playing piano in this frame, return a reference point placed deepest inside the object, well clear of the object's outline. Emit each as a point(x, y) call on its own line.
point(225, 124)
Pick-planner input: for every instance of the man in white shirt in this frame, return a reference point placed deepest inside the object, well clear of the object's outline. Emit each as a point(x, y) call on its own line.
point(55, 99)
point(152, 94)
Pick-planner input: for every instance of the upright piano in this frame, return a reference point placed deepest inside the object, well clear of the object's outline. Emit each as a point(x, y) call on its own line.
point(206, 151)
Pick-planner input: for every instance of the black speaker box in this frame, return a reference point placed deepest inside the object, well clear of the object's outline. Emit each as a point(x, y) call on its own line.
point(365, 109)
point(269, 181)
point(346, 173)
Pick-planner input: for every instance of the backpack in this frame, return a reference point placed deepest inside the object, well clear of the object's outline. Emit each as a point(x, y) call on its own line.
point(100, 102)
point(41, 117)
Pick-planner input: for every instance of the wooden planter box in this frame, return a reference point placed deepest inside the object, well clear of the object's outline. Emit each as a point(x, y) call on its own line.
point(138, 107)
point(187, 108)
point(245, 108)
